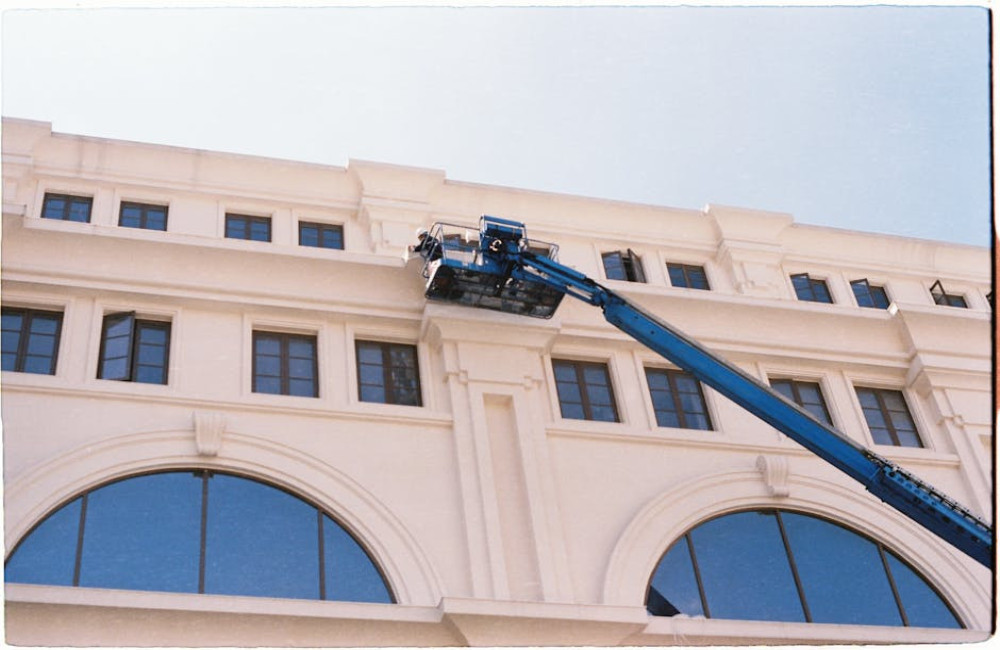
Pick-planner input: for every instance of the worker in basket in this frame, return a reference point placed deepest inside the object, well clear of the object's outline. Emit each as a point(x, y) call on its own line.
point(427, 247)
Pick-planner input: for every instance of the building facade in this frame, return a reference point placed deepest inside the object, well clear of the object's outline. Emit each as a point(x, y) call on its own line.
point(231, 417)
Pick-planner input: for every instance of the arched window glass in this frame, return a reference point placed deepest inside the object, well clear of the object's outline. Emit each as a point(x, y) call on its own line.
point(787, 566)
point(198, 532)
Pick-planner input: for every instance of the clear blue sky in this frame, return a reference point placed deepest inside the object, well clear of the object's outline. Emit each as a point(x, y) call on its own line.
point(869, 118)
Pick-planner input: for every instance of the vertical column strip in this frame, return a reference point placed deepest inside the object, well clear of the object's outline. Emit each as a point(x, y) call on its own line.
point(79, 541)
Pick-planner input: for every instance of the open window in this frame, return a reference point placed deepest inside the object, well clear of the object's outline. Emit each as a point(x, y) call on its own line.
point(942, 297)
point(134, 349)
point(623, 265)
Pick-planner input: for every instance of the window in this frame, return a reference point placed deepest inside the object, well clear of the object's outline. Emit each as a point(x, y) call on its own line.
point(623, 266)
point(869, 295)
point(388, 373)
point(688, 275)
point(321, 235)
point(197, 532)
point(811, 289)
point(941, 297)
point(787, 566)
point(30, 340)
point(241, 226)
point(806, 394)
point(65, 207)
point(285, 364)
point(678, 400)
point(584, 390)
point(888, 417)
point(134, 349)
point(141, 215)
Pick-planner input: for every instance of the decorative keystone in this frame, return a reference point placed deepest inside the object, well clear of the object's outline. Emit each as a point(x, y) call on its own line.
point(774, 471)
point(209, 427)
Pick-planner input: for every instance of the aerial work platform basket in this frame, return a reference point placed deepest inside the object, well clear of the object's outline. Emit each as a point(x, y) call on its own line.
point(458, 271)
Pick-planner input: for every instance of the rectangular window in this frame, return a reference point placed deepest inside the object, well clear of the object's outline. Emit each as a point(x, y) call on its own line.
point(942, 297)
point(888, 417)
point(321, 235)
point(66, 207)
point(623, 266)
point(869, 295)
point(133, 349)
point(806, 394)
point(678, 399)
point(285, 364)
point(811, 289)
point(388, 373)
point(584, 390)
point(242, 226)
point(142, 215)
point(30, 340)
point(690, 276)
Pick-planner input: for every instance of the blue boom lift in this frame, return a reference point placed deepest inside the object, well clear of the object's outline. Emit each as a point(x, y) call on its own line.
point(498, 267)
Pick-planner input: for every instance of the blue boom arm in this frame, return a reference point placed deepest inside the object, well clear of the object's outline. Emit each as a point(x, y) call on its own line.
point(512, 268)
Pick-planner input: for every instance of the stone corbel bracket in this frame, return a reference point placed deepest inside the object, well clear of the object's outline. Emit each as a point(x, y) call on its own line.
point(774, 471)
point(209, 429)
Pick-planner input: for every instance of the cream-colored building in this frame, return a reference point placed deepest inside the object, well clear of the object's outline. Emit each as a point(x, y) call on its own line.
point(210, 359)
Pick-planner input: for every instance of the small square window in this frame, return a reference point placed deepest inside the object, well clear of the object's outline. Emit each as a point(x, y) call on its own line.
point(134, 349)
point(690, 276)
point(30, 340)
point(285, 364)
point(142, 215)
point(65, 207)
point(888, 417)
point(388, 373)
point(942, 297)
point(870, 295)
point(242, 226)
point(584, 390)
point(811, 289)
point(678, 399)
point(623, 265)
point(321, 235)
point(806, 394)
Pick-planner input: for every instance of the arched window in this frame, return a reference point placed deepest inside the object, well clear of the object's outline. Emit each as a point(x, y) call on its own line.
point(787, 566)
point(197, 532)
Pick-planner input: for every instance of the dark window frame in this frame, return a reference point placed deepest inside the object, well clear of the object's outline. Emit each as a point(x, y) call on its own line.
point(70, 199)
point(24, 336)
point(808, 293)
point(324, 232)
point(879, 394)
point(137, 328)
point(942, 297)
point(875, 295)
point(883, 552)
point(284, 356)
point(389, 385)
point(581, 383)
point(672, 375)
point(795, 385)
point(687, 271)
point(248, 220)
point(144, 210)
point(630, 263)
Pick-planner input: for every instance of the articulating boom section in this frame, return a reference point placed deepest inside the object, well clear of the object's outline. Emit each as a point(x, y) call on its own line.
point(501, 269)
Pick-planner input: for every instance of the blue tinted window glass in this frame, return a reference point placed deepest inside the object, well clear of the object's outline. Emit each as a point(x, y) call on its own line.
point(333, 237)
point(260, 541)
point(236, 228)
point(745, 570)
point(260, 230)
point(614, 268)
point(820, 292)
point(675, 581)
point(308, 235)
point(823, 553)
point(349, 572)
point(862, 295)
point(131, 216)
point(79, 211)
point(47, 555)
point(803, 290)
point(924, 608)
point(143, 533)
point(677, 277)
point(54, 207)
